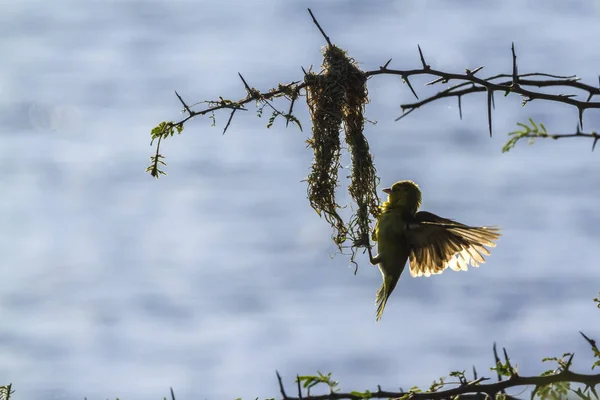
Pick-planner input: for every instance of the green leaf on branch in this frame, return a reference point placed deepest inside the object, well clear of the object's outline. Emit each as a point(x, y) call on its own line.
point(532, 132)
point(310, 381)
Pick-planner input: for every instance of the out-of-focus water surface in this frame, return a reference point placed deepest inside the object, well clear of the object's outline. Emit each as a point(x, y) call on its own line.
point(210, 279)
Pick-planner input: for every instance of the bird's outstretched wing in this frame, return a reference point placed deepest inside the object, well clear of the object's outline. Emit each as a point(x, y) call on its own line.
point(438, 243)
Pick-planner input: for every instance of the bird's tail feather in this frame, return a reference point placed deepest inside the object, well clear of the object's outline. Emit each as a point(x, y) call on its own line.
point(383, 294)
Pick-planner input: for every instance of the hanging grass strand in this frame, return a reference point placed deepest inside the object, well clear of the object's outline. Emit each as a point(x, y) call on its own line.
point(337, 96)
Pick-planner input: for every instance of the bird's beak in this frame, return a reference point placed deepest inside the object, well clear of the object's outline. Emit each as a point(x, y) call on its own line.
point(387, 190)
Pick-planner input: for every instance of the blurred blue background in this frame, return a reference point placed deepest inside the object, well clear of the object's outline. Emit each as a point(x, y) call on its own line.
point(210, 279)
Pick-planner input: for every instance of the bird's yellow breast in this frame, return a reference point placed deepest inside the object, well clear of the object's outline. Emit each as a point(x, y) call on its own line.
point(391, 223)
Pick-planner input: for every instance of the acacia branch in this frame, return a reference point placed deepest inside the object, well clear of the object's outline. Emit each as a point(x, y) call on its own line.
point(515, 85)
point(470, 84)
point(520, 84)
point(319, 26)
point(471, 388)
point(548, 383)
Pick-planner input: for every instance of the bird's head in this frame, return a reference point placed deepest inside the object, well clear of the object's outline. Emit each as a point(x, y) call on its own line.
point(405, 194)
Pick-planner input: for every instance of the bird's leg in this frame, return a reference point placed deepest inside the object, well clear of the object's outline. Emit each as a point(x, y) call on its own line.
point(374, 260)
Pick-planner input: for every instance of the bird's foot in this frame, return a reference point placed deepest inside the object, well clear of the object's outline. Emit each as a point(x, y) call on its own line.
point(374, 260)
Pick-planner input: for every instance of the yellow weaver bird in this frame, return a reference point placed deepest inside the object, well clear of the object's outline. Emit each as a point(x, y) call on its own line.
point(430, 243)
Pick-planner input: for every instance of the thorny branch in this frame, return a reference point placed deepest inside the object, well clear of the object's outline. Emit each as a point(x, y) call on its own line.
point(549, 384)
point(516, 84)
point(472, 388)
point(336, 97)
point(469, 83)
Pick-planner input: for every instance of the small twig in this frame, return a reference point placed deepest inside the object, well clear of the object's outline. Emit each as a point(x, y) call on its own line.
point(510, 367)
point(592, 135)
point(569, 361)
point(473, 72)
point(183, 102)
point(490, 97)
point(248, 89)
point(437, 80)
point(592, 342)
point(404, 114)
point(496, 362)
point(319, 26)
point(273, 108)
point(292, 102)
point(515, 71)
point(282, 390)
point(229, 120)
point(425, 66)
point(405, 79)
point(299, 386)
